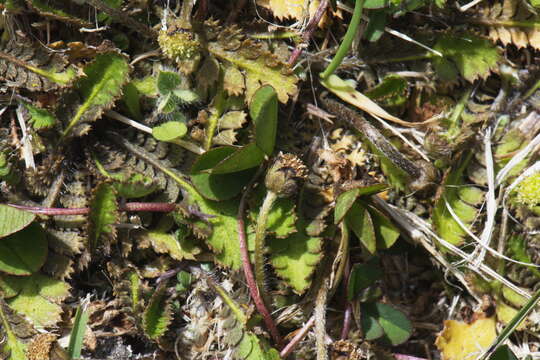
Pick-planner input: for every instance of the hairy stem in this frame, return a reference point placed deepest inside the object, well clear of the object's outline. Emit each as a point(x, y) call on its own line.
point(246, 265)
point(260, 232)
point(133, 206)
point(347, 40)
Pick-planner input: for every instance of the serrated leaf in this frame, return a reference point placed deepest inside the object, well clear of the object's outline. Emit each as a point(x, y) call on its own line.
point(102, 85)
point(359, 220)
point(232, 120)
point(158, 314)
point(38, 298)
point(167, 81)
point(103, 214)
point(169, 131)
point(24, 252)
point(397, 328)
point(13, 327)
point(233, 80)
point(257, 73)
point(40, 118)
point(253, 348)
point(282, 218)
point(295, 258)
point(466, 55)
point(263, 110)
point(13, 220)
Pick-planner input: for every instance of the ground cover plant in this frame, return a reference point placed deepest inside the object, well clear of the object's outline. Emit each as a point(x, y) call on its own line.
point(270, 179)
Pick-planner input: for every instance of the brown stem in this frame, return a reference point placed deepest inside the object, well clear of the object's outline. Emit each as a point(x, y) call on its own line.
point(134, 206)
point(297, 338)
point(308, 33)
point(124, 19)
point(246, 265)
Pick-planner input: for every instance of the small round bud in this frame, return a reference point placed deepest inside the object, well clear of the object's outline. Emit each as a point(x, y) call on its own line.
point(179, 45)
point(284, 175)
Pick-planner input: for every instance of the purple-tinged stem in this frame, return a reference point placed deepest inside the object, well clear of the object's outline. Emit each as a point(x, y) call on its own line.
point(308, 33)
point(346, 322)
point(297, 338)
point(134, 206)
point(246, 266)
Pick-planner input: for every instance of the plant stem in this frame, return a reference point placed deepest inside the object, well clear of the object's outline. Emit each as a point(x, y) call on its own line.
point(246, 265)
point(310, 29)
point(133, 206)
point(260, 232)
point(217, 110)
point(297, 338)
point(347, 40)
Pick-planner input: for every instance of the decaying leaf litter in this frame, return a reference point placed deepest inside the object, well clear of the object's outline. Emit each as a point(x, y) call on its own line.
point(269, 179)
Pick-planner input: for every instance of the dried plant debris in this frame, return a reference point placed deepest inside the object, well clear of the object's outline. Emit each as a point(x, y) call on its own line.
point(177, 167)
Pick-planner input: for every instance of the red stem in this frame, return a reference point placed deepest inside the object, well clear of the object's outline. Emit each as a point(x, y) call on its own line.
point(308, 33)
point(134, 206)
point(248, 271)
point(297, 338)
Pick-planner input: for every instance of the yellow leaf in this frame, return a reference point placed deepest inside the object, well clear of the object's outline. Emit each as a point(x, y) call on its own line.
point(295, 9)
point(462, 341)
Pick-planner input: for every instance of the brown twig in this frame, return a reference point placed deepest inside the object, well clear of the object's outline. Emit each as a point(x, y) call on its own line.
point(246, 265)
point(308, 33)
point(134, 206)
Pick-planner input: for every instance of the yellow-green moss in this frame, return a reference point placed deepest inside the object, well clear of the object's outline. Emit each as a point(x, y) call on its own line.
point(528, 191)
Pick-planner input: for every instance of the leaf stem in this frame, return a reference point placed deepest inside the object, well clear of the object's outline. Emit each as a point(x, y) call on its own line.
point(246, 265)
point(260, 232)
point(347, 40)
point(300, 334)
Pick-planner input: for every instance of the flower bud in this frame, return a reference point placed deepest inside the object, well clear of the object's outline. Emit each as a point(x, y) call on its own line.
point(285, 174)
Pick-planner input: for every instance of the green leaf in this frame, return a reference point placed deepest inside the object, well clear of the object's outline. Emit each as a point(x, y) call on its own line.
point(40, 118)
point(392, 91)
point(167, 81)
point(146, 86)
point(376, 4)
point(24, 252)
point(517, 249)
point(76, 336)
point(253, 348)
point(38, 298)
point(169, 131)
point(447, 227)
point(44, 8)
point(158, 314)
point(296, 257)
point(177, 247)
point(244, 158)
point(132, 100)
point(376, 25)
point(282, 218)
point(397, 328)
point(359, 221)
point(103, 214)
point(218, 186)
point(503, 353)
point(346, 199)
point(370, 326)
point(263, 110)
point(362, 276)
point(186, 96)
point(98, 90)
point(466, 55)
point(13, 327)
point(13, 220)
point(386, 232)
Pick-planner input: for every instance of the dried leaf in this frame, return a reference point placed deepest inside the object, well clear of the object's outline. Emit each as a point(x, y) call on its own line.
point(460, 340)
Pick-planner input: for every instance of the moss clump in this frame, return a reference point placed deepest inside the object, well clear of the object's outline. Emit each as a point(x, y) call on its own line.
point(528, 191)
